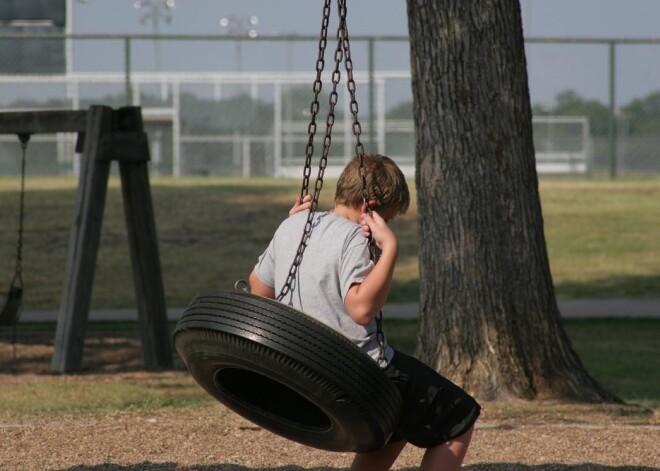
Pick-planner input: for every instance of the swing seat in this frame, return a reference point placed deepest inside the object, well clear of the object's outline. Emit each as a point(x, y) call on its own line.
point(287, 372)
point(11, 307)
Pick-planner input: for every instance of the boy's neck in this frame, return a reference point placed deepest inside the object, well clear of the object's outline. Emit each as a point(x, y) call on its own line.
point(347, 212)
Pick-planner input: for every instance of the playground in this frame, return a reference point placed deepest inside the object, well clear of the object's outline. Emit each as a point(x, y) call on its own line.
point(115, 415)
point(292, 364)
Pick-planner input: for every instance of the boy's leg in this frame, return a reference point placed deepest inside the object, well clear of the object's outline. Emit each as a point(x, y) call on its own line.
point(382, 459)
point(449, 456)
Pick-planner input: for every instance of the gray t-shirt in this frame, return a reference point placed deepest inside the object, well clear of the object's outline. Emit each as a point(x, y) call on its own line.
point(336, 257)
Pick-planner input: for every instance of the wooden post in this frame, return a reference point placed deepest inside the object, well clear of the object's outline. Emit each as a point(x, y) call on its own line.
point(142, 240)
point(105, 135)
point(46, 121)
point(83, 245)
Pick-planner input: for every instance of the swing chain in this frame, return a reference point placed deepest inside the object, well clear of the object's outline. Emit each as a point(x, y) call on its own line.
point(314, 107)
point(330, 120)
point(342, 54)
point(24, 138)
point(350, 84)
point(359, 151)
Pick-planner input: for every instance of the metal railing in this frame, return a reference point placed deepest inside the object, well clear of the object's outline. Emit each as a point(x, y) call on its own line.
point(169, 96)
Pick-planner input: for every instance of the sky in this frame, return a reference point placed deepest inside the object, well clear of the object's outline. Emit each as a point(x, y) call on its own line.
point(548, 18)
point(551, 68)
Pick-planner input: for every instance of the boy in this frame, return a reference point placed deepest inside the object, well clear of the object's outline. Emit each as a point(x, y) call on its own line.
point(338, 284)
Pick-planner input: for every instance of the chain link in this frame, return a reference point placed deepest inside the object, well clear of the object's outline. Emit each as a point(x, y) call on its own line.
point(350, 85)
point(359, 151)
point(314, 107)
point(327, 140)
point(342, 54)
point(18, 273)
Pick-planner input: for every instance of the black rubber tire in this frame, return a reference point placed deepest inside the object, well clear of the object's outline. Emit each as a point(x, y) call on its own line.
point(287, 372)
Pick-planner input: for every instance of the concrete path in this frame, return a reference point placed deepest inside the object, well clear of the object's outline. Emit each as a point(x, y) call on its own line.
point(581, 308)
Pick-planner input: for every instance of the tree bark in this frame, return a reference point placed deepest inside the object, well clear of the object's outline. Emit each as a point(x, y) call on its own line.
point(489, 318)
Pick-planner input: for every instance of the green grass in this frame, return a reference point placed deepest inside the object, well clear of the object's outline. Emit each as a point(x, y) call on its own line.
point(72, 395)
point(622, 354)
point(601, 237)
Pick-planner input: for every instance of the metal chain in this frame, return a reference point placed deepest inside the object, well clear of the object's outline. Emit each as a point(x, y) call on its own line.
point(357, 127)
point(342, 53)
point(311, 132)
point(350, 85)
point(18, 273)
point(359, 150)
point(330, 120)
point(314, 107)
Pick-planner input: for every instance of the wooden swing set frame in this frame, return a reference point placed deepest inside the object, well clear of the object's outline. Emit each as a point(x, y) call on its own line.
point(105, 135)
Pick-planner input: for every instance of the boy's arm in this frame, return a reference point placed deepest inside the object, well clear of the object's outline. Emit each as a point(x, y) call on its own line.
point(365, 300)
point(259, 288)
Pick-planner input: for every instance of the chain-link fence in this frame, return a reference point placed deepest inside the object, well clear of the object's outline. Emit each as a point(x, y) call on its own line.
point(223, 106)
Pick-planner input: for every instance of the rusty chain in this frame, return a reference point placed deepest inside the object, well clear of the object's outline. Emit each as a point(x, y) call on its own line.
point(314, 107)
point(18, 272)
point(342, 54)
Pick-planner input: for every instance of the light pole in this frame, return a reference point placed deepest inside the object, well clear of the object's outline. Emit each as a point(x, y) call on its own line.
point(156, 10)
point(240, 26)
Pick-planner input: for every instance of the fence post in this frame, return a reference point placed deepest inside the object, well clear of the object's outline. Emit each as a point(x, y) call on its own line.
point(612, 106)
point(372, 66)
point(127, 70)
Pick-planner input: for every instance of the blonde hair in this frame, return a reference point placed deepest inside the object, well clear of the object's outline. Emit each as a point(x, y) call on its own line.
point(385, 183)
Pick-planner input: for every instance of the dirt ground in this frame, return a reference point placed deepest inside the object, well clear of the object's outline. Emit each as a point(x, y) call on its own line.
point(215, 439)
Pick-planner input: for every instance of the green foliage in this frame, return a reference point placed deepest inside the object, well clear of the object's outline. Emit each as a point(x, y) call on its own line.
point(236, 114)
point(297, 103)
point(643, 115)
point(401, 111)
point(569, 103)
point(242, 113)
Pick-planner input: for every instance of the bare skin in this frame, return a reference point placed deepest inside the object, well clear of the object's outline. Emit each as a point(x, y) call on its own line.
point(446, 457)
point(301, 205)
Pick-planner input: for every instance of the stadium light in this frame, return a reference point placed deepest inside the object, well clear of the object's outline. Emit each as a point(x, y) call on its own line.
point(240, 26)
point(156, 11)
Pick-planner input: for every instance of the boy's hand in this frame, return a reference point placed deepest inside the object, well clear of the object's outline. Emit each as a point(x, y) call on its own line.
point(301, 205)
point(375, 226)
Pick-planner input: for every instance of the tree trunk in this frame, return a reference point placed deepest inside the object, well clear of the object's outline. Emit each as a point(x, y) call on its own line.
point(489, 318)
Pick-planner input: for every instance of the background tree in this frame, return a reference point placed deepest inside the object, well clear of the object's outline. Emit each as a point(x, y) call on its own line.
point(489, 318)
point(569, 103)
point(644, 115)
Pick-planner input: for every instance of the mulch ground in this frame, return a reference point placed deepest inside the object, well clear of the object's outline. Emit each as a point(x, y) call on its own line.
point(215, 439)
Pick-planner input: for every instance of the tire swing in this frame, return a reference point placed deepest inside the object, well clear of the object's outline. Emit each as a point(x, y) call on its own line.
point(278, 367)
